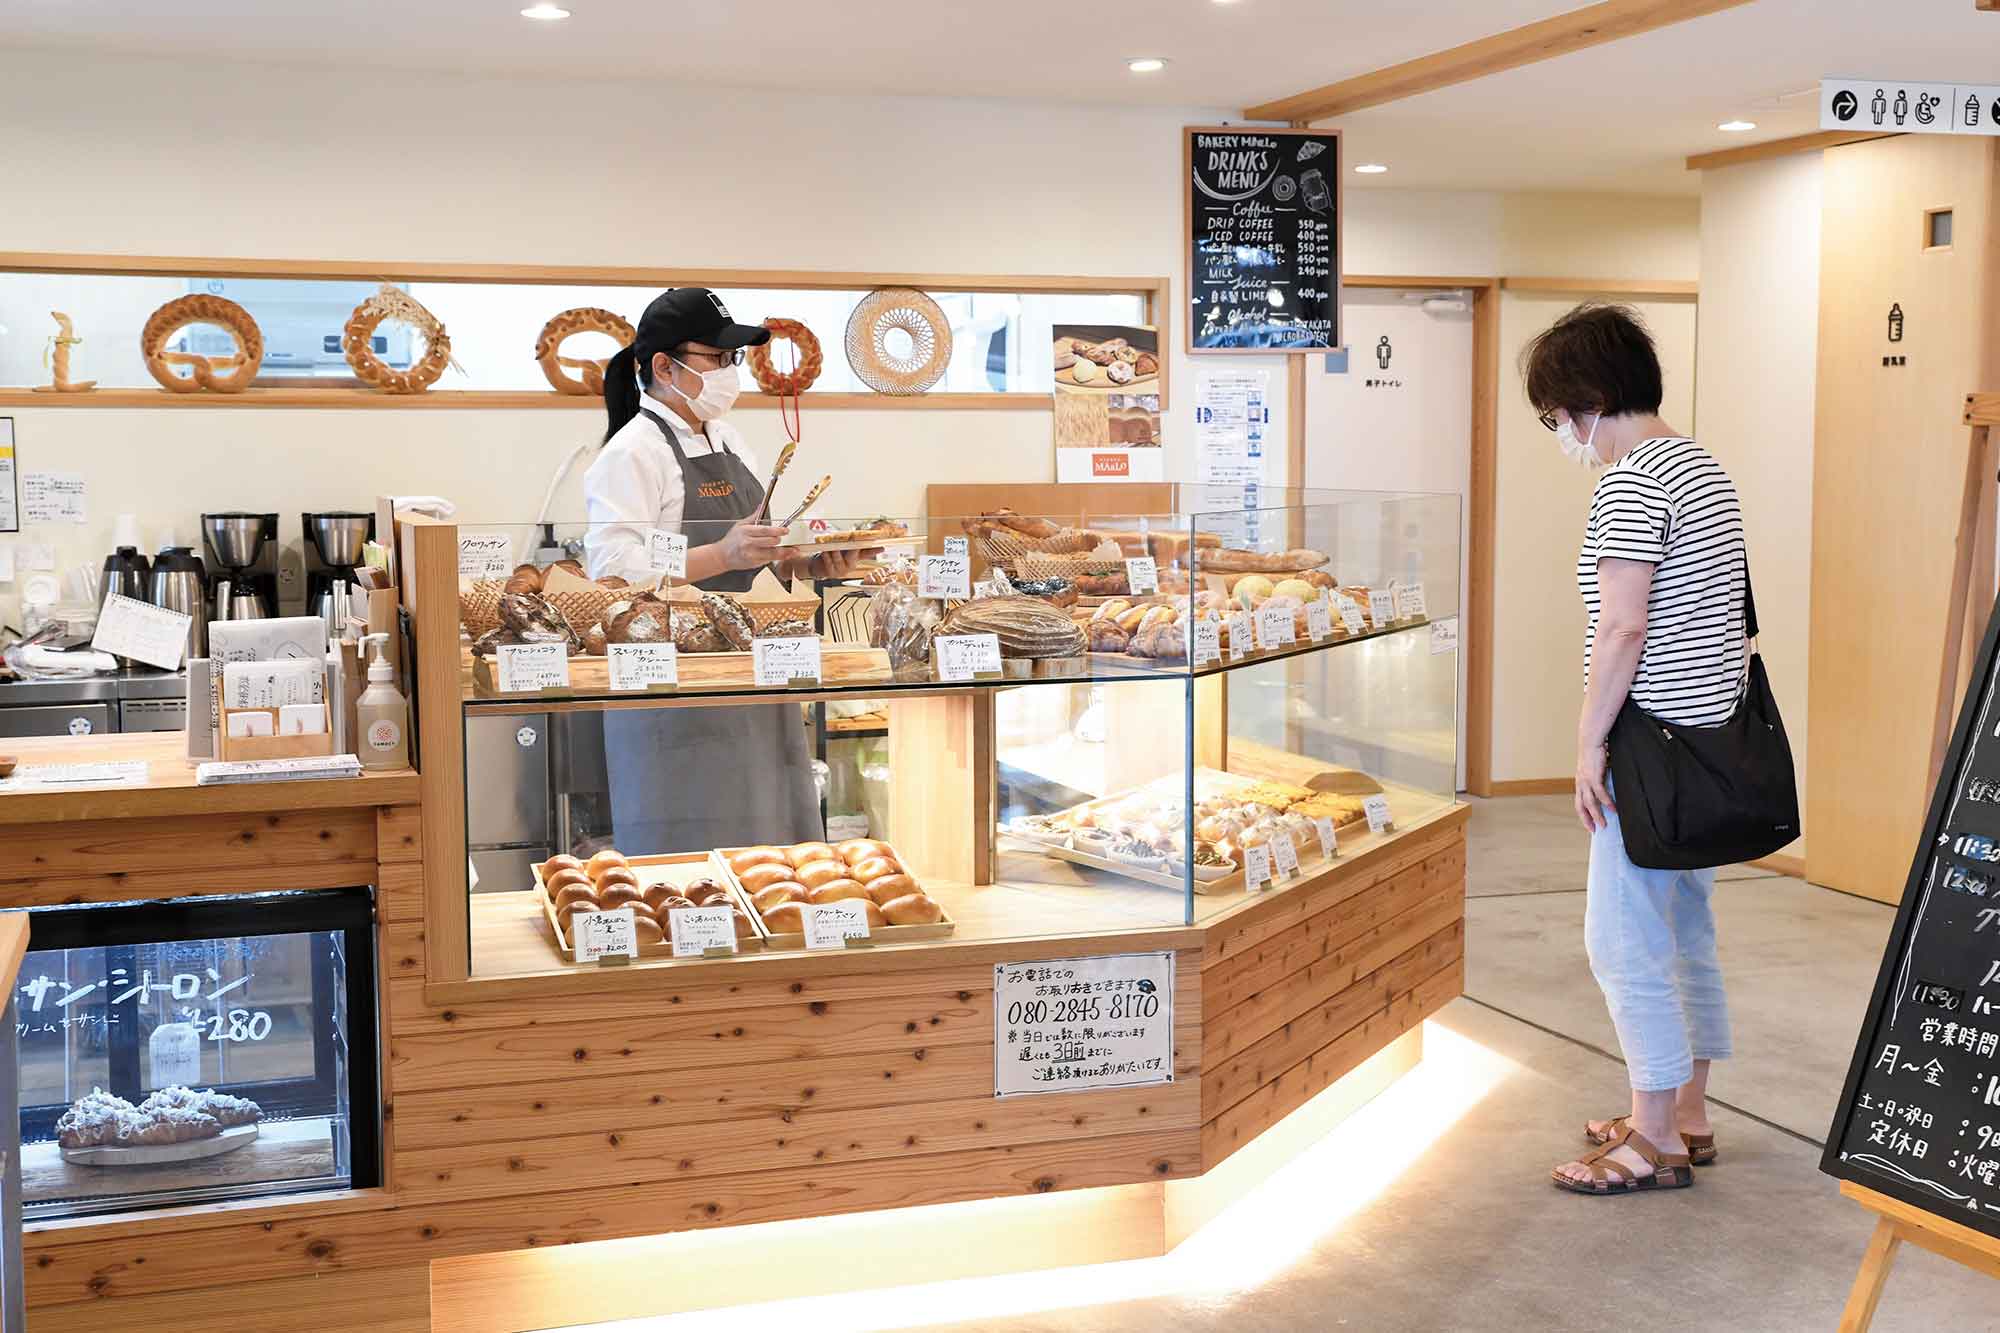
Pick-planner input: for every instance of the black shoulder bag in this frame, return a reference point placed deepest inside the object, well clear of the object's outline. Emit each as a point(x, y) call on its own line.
point(1693, 797)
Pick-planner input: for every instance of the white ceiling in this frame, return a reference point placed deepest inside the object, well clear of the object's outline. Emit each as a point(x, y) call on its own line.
point(1619, 117)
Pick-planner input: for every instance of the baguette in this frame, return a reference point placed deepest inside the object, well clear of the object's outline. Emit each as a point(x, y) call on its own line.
point(1231, 561)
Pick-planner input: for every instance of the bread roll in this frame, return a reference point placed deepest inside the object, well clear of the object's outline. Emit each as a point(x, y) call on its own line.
point(563, 879)
point(563, 915)
point(614, 896)
point(603, 861)
point(875, 917)
point(860, 849)
point(756, 856)
point(874, 867)
point(647, 929)
point(563, 862)
point(819, 872)
point(786, 919)
point(834, 890)
point(707, 893)
point(805, 853)
point(744, 928)
point(763, 876)
point(572, 894)
point(617, 875)
point(888, 888)
point(657, 893)
point(776, 895)
point(672, 903)
point(912, 909)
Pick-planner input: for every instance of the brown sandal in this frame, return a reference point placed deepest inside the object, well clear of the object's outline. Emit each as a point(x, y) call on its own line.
point(1671, 1171)
point(1701, 1147)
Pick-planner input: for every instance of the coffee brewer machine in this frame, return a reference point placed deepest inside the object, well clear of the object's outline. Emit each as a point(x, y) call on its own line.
point(242, 554)
point(334, 538)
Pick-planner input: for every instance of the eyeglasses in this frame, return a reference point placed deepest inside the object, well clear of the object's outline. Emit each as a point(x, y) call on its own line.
point(733, 357)
point(1549, 422)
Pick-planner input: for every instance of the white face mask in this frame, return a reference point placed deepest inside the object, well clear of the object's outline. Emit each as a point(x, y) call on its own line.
point(1575, 450)
point(719, 388)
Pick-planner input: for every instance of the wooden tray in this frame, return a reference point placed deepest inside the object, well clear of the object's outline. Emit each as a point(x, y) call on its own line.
point(804, 542)
point(229, 1140)
point(876, 935)
point(839, 665)
point(677, 868)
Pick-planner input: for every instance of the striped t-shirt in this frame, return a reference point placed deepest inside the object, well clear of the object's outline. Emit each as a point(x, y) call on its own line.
point(1671, 505)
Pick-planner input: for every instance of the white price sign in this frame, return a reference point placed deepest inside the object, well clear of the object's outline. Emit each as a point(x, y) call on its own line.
point(945, 576)
point(1274, 627)
point(1142, 575)
point(1350, 616)
point(1285, 855)
point(1239, 635)
point(696, 930)
point(1207, 642)
point(782, 662)
point(1377, 810)
point(966, 656)
point(1410, 601)
point(643, 666)
point(1081, 1024)
point(1381, 607)
point(595, 935)
point(1319, 624)
point(1256, 865)
point(958, 546)
point(527, 667)
point(1444, 636)
point(485, 555)
point(1329, 841)
point(667, 553)
point(832, 925)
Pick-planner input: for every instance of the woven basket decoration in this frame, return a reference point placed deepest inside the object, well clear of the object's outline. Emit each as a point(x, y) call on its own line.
point(882, 312)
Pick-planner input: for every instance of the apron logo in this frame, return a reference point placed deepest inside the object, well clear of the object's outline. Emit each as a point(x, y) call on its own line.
point(716, 490)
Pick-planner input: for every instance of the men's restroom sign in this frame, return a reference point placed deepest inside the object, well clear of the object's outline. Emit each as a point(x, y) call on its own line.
point(1901, 107)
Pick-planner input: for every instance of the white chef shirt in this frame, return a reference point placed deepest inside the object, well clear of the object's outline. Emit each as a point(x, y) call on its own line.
point(635, 485)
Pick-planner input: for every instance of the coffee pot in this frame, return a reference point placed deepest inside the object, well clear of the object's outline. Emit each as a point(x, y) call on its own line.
point(178, 582)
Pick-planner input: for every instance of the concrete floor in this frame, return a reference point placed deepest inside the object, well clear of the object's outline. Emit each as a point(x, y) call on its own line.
point(1407, 1219)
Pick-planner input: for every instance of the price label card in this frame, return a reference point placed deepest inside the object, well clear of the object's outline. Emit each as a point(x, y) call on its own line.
point(667, 553)
point(1319, 624)
point(643, 666)
point(1285, 855)
point(1410, 601)
point(1239, 635)
point(1142, 575)
point(174, 1052)
point(1350, 616)
point(1256, 866)
point(958, 546)
point(1207, 642)
point(1274, 627)
point(1381, 607)
point(696, 930)
point(595, 935)
point(1444, 636)
point(527, 667)
point(783, 662)
point(1377, 810)
point(942, 576)
point(832, 925)
point(485, 555)
point(966, 656)
point(1329, 841)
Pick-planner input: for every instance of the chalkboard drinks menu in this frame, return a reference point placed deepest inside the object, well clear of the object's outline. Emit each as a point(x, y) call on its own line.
point(1919, 1118)
point(1263, 222)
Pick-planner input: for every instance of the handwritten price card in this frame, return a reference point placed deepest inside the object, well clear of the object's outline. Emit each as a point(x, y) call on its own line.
point(527, 667)
point(783, 662)
point(1319, 625)
point(1381, 607)
point(832, 925)
point(1377, 810)
point(1274, 627)
point(1239, 636)
point(1207, 642)
point(696, 930)
point(945, 576)
point(1142, 576)
point(1329, 841)
point(667, 553)
point(1285, 855)
point(961, 657)
point(1256, 866)
point(485, 555)
point(598, 935)
point(643, 666)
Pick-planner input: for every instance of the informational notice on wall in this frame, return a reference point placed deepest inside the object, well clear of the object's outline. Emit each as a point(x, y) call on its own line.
point(1078, 1024)
point(1232, 413)
point(10, 501)
point(55, 497)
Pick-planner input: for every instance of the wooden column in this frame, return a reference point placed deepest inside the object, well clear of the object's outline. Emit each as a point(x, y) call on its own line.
point(941, 784)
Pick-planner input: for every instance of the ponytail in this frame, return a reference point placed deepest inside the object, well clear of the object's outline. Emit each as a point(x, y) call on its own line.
point(621, 389)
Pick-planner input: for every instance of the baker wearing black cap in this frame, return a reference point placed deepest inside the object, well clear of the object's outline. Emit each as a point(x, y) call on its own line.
point(683, 779)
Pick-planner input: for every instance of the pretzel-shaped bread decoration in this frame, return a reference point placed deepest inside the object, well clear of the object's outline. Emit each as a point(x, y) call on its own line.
point(810, 359)
point(582, 319)
point(218, 374)
point(394, 303)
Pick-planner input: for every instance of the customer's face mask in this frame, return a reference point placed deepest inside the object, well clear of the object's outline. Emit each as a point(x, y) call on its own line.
point(1578, 451)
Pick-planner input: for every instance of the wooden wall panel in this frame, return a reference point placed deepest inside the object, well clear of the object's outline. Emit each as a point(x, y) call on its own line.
point(191, 844)
point(385, 1300)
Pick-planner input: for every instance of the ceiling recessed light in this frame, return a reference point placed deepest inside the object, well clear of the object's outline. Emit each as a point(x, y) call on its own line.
point(545, 13)
point(1371, 169)
point(1737, 126)
point(1146, 65)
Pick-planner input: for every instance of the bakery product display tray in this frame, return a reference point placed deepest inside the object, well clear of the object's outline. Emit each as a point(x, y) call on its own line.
point(678, 868)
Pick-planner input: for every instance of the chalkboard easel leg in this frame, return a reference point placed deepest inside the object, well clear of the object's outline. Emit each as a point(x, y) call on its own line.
point(1874, 1274)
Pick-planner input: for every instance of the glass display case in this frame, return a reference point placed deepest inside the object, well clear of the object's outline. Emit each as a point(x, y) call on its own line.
point(1069, 723)
point(195, 1050)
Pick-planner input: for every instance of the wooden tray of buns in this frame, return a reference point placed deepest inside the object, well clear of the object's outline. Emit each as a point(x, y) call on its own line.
point(678, 868)
point(776, 938)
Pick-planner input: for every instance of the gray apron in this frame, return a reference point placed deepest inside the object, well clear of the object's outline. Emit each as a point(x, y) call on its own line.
point(689, 778)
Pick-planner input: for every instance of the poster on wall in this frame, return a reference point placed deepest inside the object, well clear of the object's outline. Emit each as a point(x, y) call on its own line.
point(1263, 211)
point(10, 502)
point(1107, 403)
point(1232, 413)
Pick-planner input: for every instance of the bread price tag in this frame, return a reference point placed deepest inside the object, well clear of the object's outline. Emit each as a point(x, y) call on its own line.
point(696, 930)
point(958, 546)
point(1444, 636)
point(1350, 616)
point(1274, 627)
point(643, 666)
point(966, 656)
point(1256, 866)
point(1377, 810)
point(528, 667)
point(667, 553)
point(1410, 601)
point(1142, 575)
point(1285, 855)
point(1319, 624)
point(832, 925)
point(784, 662)
point(596, 936)
point(945, 576)
point(485, 555)
point(1381, 607)
point(1207, 642)
point(1329, 841)
point(1239, 635)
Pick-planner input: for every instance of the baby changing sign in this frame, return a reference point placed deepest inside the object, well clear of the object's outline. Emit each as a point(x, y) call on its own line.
point(1078, 1024)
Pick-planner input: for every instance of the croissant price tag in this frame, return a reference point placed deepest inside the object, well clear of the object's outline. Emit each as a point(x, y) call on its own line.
point(485, 555)
point(1207, 642)
point(1239, 635)
point(958, 546)
point(945, 576)
point(966, 656)
point(785, 662)
point(1319, 625)
point(832, 925)
point(1329, 841)
point(1444, 636)
point(1142, 575)
point(1274, 627)
point(1256, 866)
point(1377, 810)
point(667, 553)
point(1410, 601)
point(1285, 855)
point(1381, 607)
point(1350, 616)
point(696, 930)
point(527, 667)
point(595, 936)
point(643, 666)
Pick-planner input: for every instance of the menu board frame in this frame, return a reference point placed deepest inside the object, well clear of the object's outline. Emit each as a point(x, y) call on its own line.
point(1190, 206)
point(1974, 708)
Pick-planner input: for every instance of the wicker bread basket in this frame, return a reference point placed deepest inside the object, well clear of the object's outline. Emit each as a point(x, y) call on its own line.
point(479, 607)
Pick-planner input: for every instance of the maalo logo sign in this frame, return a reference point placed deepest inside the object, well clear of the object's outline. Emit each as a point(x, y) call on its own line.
point(1110, 465)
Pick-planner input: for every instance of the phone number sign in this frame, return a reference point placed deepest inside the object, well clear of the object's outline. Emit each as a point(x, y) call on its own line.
point(1080, 1024)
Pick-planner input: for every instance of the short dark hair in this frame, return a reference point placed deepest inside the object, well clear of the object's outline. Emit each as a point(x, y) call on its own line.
point(1596, 358)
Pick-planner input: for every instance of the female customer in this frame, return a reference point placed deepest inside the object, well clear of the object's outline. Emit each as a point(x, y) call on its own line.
point(1663, 577)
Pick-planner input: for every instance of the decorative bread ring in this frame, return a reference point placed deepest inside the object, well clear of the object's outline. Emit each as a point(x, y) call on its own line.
point(883, 312)
point(581, 319)
point(394, 303)
point(218, 374)
point(810, 359)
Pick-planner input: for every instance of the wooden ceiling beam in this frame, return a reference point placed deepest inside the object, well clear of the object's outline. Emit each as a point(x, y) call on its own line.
point(1798, 143)
point(1577, 30)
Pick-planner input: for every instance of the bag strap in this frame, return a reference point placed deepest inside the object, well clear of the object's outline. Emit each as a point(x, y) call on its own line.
point(1749, 598)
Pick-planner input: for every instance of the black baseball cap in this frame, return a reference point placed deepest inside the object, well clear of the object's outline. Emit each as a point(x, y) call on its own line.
point(694, 315)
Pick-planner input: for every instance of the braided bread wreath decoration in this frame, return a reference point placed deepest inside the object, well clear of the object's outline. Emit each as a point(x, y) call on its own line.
point(357, 342)
point(203, 371)
point(810, 360)
point(582, 319)
point(886, 311)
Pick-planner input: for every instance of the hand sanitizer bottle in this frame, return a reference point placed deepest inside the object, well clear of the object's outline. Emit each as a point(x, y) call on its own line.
point(382, 715)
